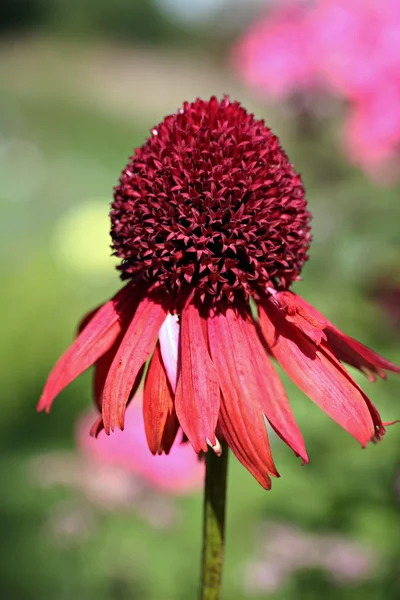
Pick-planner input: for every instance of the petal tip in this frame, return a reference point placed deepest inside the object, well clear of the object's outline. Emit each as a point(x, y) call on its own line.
point(40, 406)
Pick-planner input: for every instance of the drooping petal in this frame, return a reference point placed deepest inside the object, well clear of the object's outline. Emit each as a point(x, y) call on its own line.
point(160, 420)
point(97, 427)
point(136, 347)
point(257, 379)
point(241, 415)
point(317, 373)
point(101, 368)
point(346, 348)
point(169, 341)
point(96, 338)
point(272, 395)
point(312, 325)
point(357, 355)
point(197, 397)
point(86, 319)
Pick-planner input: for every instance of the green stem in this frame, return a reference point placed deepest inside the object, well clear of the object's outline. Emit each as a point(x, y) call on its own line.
point(214, 524)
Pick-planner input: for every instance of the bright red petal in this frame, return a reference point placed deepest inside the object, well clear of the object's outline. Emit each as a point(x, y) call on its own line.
point(270, 390)
point(241, 415)
point(312, 325)
point(357, 355)
point(317, 373)
point(160, 420)
point(96, 338)
point(136, 347)
point(197, 397)
point(348, 349)
point(96, 427)
point(101, 370)
point(86, 319)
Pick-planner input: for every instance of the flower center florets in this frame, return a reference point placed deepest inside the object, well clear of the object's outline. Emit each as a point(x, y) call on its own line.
point(211, 204)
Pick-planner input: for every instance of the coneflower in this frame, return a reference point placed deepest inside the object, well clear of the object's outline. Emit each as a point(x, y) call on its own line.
point(209, 218)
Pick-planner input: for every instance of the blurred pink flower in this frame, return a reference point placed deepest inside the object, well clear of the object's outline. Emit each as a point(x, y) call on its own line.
point(348, 48)
point(178, 473)
point(273, 57)
point(372, 136)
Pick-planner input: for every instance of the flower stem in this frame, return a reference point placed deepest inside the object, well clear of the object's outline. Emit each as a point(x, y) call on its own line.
point(214, 524)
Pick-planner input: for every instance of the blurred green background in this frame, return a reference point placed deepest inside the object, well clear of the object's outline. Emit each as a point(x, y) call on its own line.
point(81, 84)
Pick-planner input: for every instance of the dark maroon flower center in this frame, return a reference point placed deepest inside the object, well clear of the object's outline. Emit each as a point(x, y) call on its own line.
point(211, 204)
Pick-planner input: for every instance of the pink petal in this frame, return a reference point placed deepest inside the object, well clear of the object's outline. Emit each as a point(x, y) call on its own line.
point(95, 339)
point(160, 420)
point(136, 347)
point(197, 395)
point(241, 415)
point(317, 373)
point(169, 340)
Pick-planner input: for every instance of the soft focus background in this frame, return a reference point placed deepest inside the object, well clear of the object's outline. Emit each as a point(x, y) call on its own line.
point(81, 84)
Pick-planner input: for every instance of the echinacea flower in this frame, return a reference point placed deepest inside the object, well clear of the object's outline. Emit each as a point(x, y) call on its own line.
point(208, 218)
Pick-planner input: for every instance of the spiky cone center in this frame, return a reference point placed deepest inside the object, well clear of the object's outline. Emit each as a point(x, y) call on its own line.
point(210, 206)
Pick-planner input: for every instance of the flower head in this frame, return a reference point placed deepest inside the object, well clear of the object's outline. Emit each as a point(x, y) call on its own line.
point(208, 214)
point(210, 205)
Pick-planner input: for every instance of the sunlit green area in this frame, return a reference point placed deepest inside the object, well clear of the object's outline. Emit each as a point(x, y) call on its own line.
point(77, 94)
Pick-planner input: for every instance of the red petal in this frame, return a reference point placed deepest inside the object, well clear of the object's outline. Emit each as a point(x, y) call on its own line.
point(295, 311)
point(317, 373)
point(96, 427)
point(101, 370)
point(271, 393)
point(99, 377)
point(357, 355)
point(197, 394)
point(262, 382)
point(86, 319)
point(241, 415)
point(95, 339)
point(160, 420)
point(348, 349)
point(136, 347)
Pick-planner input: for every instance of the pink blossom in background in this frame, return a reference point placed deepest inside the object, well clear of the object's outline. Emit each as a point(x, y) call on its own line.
point(273, 57)
point(178, 473)
point(347, 48)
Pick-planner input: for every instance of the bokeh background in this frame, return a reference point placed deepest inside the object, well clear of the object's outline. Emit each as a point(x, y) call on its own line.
point(81, 84)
